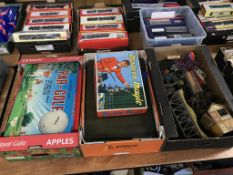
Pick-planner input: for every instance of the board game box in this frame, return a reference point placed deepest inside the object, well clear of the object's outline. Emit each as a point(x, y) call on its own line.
point(119, 86)
point(45, 102)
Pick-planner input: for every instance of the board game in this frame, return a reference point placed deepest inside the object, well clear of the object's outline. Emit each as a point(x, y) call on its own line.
point(45, 102)
point(119, 84)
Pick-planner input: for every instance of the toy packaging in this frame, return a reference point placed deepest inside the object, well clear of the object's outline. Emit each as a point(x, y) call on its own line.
point(48, 7)
point(45, 102)
point(8, 21)
point(216, 18)
point(101, 29)
point(101, 11)
point(119, 85)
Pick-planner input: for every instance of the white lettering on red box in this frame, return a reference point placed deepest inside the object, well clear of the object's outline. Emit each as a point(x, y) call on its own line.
point(67, 141)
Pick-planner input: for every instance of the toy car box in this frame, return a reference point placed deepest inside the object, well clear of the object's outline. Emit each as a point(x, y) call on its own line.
point(33, 145)
point(196, 4)
point(217, 25)
point(139, 133)
point(175, 140)
point(107, 34)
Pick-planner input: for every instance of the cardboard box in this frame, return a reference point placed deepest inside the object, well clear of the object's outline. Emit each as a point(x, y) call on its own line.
point(117, 135)
point(40, 146)
point(11, 61)
point(214, 81)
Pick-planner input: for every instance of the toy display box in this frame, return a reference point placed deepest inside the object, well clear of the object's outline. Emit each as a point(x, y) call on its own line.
point(47, 28)
point(184, 129)
point(6, 45)
point(128, 134)
point(131, 11)
point(42, 116)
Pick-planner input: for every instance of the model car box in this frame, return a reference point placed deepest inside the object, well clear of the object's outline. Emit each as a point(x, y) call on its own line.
point(50, 41)
point(8, 46)
point(25, 135)
point(214, 81)
point(139, 133)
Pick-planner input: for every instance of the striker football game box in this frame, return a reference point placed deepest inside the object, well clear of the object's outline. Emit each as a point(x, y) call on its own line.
point(119, 85)
point(46, 98)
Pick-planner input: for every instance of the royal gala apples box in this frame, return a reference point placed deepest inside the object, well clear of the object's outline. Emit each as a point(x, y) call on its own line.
point(127, 134)
point(42, 118)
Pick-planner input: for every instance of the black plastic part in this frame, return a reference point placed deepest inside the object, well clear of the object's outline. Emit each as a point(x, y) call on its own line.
point(194, 5)
point(3, 74)
point(58, 47)
point(131, 17)
point(114, 128)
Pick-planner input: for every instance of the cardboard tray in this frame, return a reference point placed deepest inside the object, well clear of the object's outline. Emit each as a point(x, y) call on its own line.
point(91, 46)
point(39, 146)
point(117, 135)
point(216, 84)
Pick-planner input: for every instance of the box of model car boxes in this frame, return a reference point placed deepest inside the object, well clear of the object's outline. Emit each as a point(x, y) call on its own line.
point(47, 29)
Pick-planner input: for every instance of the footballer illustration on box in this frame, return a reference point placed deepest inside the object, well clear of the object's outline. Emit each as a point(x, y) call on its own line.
point(119, 85)
point(45, 102)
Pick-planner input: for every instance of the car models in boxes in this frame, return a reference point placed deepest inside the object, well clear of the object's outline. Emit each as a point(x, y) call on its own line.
point(123, 133)
point(169, 26)
point(10, 20)
point(47, 28)
point(217, 20)
point(195, 103)
point(44, 116)
point(102, 28)
point(131, 11)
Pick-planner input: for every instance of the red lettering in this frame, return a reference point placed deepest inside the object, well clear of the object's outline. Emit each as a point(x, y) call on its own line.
point(57, 102)
point(66, 72)
point(59, 97)
point(61, 81)
point(58, 107)
point(60, 92)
